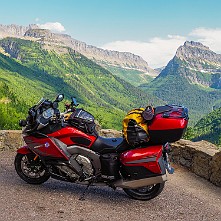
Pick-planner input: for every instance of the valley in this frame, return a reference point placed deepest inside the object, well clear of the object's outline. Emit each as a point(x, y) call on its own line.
point(36, 62)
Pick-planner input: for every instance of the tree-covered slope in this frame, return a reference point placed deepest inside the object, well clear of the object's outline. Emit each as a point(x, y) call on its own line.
point(132, 76)
point(17, 91)
point(208, 128)
point(30, 71)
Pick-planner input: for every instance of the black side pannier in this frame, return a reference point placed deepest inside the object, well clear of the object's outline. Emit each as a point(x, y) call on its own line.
point(83, 120)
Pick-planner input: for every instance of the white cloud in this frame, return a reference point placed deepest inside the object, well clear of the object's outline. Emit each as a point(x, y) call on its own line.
point(53, 26)
point(37, 19)
point(209, 37)
point(157, 51)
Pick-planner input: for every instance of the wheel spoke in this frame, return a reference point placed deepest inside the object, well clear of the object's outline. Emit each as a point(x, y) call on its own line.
point(31, 168)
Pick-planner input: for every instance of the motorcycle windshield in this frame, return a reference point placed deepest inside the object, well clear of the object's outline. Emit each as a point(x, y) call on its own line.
point(39, 103)
point(82, 114)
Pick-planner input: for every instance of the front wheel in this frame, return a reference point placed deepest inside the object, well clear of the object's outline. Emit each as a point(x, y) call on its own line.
point(145, 193)
point(31, 169)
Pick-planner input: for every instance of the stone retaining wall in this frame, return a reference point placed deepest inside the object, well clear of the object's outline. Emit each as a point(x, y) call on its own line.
point(10, 139)
point(202, 158)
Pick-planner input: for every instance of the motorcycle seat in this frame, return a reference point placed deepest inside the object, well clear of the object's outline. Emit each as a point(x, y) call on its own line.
point(108, 145)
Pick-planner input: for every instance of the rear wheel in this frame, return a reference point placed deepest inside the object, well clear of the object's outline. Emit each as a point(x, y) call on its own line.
point(145, 193)
point(30, 169)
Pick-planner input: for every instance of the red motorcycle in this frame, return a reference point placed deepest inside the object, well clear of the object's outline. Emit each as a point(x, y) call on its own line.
point(67, 147)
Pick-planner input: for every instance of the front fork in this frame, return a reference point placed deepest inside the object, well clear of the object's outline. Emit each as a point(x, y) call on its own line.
point(166, 150)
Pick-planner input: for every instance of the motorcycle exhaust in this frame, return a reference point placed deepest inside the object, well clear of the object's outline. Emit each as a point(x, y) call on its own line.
point(133, 184)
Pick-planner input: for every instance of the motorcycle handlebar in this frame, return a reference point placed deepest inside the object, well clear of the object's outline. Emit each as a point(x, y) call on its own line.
point(34, 114)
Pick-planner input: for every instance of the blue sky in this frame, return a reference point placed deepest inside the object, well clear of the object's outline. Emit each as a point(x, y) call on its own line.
point(151, 28)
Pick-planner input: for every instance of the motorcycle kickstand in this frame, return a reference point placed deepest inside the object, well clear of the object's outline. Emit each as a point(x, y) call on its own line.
point(82, 197)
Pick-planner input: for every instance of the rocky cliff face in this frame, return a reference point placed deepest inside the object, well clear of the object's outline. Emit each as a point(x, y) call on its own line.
point(198, 64)
point(100, 56)
point(196, 55)
point(14, 30)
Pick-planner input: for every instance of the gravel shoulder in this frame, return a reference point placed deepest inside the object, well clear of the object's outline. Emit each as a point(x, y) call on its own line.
point(185, 197)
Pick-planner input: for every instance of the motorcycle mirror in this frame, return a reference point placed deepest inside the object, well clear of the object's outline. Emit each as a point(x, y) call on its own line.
point(74, 101)
point(59, 98)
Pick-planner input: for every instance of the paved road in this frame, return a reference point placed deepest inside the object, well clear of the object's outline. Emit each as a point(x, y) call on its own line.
point(185, 197)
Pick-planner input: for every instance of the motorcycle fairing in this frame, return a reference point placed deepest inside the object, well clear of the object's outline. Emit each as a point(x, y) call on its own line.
point(47, 147)
point(23, 150)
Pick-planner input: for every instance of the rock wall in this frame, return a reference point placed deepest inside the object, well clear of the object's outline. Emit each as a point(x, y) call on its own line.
point(10, 139)
point(110, 133)
point(202, 158)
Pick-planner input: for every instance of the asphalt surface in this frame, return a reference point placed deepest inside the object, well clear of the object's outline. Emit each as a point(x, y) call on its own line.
point(185, 197)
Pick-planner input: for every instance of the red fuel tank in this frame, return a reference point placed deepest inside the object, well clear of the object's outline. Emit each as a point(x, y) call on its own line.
point(72, 136)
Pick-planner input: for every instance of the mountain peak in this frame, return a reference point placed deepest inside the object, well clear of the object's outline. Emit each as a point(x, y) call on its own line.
point(190, 48)
point(196, 55)
point(195, 45)
point(38, 33)
point(196, 63)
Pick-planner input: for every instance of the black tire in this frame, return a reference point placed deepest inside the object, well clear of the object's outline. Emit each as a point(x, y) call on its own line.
point(145, 193)
point(30, 170)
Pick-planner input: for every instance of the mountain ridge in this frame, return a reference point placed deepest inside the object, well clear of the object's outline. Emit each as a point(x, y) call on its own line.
point(108, 98)
point(200, 60)
point(103, 57)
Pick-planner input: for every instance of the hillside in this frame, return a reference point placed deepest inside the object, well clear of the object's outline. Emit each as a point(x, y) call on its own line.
point(29, 71)
point(209, 128)
point(192, 78)
point(122, 63)
point(134, 77)
point(125, 65)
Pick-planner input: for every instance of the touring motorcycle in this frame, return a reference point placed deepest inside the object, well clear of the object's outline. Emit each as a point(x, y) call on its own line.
point(66, 146)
